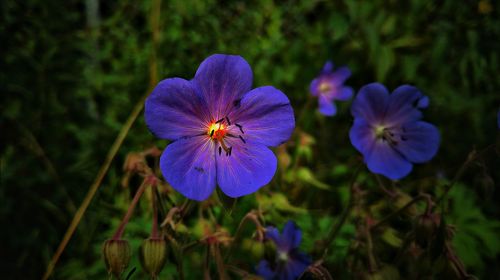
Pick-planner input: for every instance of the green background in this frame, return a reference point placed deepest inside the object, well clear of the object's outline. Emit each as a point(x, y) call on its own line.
point(72, 71)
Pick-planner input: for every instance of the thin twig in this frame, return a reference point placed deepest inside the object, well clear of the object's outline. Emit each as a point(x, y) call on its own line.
point(471, 158)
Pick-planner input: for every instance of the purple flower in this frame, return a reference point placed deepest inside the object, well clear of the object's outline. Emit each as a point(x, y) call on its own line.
point(290, 263)
point(220, 128)
point(388, 131)
point(329, 86)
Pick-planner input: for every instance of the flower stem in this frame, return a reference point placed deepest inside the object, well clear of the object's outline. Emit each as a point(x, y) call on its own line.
point(154, 229)
point(336, 228)
point(471, 158)
point(418, 198)
point(372, 264)
point(119, 232)
point(251, 216)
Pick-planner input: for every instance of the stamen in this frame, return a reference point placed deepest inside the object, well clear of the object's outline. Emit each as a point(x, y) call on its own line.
point(212, 133)
point(219, 121)
point(242, 139)
point(220, 150)
point(228, 121)
point(240, 127)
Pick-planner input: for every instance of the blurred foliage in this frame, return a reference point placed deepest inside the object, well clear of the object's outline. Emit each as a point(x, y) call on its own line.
point(71, 73)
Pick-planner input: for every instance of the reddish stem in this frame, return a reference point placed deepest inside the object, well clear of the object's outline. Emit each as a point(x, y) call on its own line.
point(119, 232)
point(154, 230)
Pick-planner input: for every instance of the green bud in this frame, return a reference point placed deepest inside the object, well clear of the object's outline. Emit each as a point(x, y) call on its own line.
point(116, 254)
point(153, 254)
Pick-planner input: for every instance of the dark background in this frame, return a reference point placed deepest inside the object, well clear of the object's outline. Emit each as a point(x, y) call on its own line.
point(72, 71)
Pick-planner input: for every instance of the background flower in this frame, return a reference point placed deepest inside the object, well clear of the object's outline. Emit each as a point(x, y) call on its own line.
point(388, 131)
point(329, 86)
point(220, 128)
point(290, 263)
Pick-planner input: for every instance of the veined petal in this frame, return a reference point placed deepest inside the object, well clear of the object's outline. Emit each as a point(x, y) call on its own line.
point(223, 79)
point(249, 167)
point(420, 141)
point(326, 106)
point(292, 235)
point(384, 159)
point(362, 136)
point(175, 109)
point(265, 115)
point(371, 103)
point(189, 167)
point(403, 105)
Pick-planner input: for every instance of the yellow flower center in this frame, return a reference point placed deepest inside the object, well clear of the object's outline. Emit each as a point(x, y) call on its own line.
point(217, 131)
point(324, 87)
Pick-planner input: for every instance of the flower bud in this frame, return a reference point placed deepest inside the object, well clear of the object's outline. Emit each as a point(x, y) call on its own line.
point(153, 254)
point(425, 228)
point(116, 254)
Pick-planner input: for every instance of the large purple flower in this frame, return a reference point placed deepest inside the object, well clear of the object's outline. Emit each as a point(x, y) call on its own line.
point(329, 86)
point(290, 263)
point(388, 130)
point(220, 128)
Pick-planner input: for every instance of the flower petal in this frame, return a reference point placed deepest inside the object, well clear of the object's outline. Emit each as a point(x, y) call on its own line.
point(328, 67)
point(421, 142)
point(314, 87)
point(265, 115)
point(264, 270)
point(370, 103)
point(343, 94)
point(292, 235)
point(362, 136)
point(189, 166)
point(175, 109)
point(273, 234)
point(249, 167)
point(384, 159)
point(326, 106)
point(340, 75)
point(297, 264)
point(404, 105)
point(223, 79)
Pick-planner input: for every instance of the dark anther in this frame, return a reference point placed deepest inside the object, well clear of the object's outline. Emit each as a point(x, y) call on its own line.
point(220, 151)
point(219, 121)
point(237, 103)
point(228, 121)
point(242, 139)
point(212, 133)
point(240, 127)
point(229, 150)
point(404, 138)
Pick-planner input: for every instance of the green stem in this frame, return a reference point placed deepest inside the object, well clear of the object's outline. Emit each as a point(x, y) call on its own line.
point(425, 197)
point(471, 158)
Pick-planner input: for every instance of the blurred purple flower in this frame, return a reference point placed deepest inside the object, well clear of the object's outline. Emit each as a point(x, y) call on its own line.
point(220, 128)
point(388, 131)
point(329, 86)
point(290, 262)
